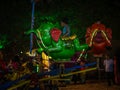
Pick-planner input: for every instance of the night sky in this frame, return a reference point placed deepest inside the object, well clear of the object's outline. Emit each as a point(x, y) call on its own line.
point(15, 16)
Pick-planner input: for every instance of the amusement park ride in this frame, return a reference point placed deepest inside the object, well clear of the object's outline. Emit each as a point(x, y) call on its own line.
point(99, 37)
point(51, 43)
point(50, 40)
point(62, 49)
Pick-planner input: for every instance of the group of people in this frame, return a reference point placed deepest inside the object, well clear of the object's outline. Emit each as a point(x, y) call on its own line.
point(107, 62)
point(9, 67)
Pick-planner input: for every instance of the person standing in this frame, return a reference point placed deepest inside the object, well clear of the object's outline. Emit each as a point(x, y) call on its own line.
point(108, 64)
point(83, 74)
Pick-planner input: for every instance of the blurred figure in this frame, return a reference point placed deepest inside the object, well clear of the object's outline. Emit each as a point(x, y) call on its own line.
point(108, 64)
point(80, 77)
point(14, 63)
point(83, 74)
point(66, 28)
point(2, 63)
point(3, 68)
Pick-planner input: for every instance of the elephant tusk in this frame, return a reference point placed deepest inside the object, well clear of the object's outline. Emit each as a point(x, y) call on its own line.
point(39, 35)
point(92, 37)
point(106, 37)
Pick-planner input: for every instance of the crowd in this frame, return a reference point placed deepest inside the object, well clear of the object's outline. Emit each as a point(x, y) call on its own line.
point(17, 67)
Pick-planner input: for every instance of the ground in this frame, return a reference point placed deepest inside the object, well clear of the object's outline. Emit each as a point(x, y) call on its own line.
point(91, 85)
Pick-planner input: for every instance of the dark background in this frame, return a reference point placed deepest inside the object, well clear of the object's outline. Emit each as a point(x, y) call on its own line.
point(15, 16)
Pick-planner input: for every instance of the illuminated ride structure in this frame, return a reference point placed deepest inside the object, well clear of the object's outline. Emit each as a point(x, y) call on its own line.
point(99, 37)
point(62, 49)
point(50, 40)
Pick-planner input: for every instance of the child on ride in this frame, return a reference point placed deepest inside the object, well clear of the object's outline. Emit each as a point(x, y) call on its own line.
point(66, 28)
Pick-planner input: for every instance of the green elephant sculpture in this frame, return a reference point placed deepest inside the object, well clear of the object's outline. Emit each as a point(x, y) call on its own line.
point(50, 40)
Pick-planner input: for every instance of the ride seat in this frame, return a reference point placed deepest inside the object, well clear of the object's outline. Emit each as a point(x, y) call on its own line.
point(72, 37)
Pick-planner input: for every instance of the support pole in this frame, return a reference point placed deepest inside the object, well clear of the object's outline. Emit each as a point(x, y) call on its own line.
point(32, 25)
point(98, 67)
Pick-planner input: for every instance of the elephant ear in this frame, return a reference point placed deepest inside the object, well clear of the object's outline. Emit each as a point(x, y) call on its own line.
point(55, 34)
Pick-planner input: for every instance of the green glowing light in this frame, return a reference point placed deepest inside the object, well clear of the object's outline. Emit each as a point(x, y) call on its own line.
point(1, 46)
point(3, 41)
point(57, 50)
